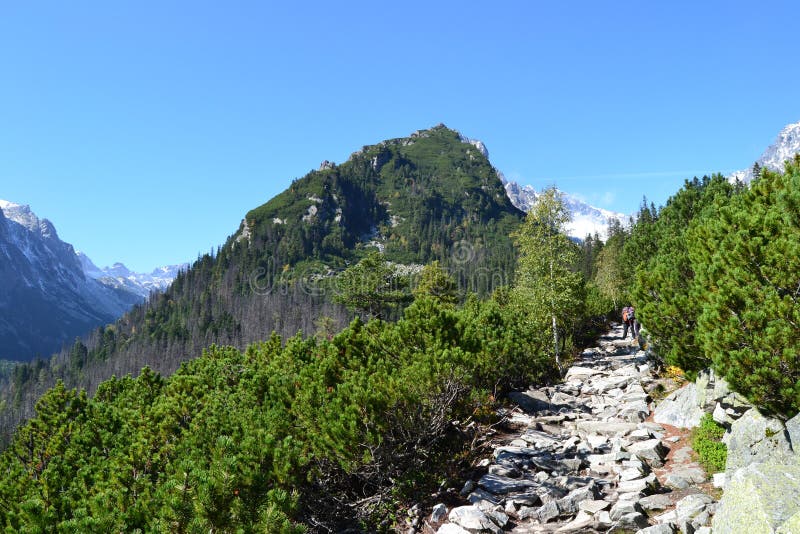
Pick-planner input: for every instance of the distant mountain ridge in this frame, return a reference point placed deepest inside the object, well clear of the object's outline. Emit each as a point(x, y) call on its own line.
point(785, 146)
point(48, 296)
point(586, 219)
point(118, 275)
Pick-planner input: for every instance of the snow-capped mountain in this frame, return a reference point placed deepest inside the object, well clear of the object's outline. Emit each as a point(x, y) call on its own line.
point(118, 275)
point(785, 147)
point(47, 296)
point(586, 219)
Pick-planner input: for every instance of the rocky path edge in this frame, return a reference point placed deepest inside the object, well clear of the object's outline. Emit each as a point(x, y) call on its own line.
point(587, 458)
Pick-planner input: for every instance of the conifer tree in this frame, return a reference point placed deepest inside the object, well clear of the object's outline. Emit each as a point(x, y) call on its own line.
point(372, 286)
point(664, 292)
point(747, 258)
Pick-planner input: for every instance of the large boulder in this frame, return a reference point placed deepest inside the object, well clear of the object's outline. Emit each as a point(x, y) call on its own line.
point(680, 408)
point(760, 498)
point(754, 438)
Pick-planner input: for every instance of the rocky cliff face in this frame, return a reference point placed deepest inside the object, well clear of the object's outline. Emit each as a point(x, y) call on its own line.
point(785, 147)
point(47, 299)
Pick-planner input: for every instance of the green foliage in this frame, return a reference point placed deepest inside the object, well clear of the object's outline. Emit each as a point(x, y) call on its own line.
point(551, 292)
point(718, 285)
point(421, 196)
point(707, 443)
point(372, 286)
point(613, 275)
point(665, 293)
point(747, 258)
point(436, 283)
point(265, 439)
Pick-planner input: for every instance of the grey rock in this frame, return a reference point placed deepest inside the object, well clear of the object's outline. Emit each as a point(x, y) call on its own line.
point(664, 528)
point(682, 455)
point(499, 518)
point(603, 520)
point(652, 451)
point(579, 524)
point(721, 416)
point(621, 508)
point(632, 521)
point(680, 408)
point(500, 485)
point(640, 434)
point(754, 438)
point(570, 503)
point(718, 480)
point(469, 485)
point(596, 441)
point(582, 373)
point(593, 506)
point(539, 440)
point(658, 501)
point(531, 401)
point(479, 495)
point(667, 517)
point(691, 506)
point(762, 497)
point(451, 528)
point(631, 473)
point(547, 512)
point(683, 477)
point(702, 382)
point(721, 388)
point(511, 472)
point(473, 519)
point(675, 481)
point(605, 428)
point(646, 484)
point(793, 430)
point(524, 499)
point(438, 513)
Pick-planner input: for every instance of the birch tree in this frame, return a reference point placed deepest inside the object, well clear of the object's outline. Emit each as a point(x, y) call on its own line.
point(546, 283)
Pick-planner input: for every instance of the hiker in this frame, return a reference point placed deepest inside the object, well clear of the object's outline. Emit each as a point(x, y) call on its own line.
point(629, 321)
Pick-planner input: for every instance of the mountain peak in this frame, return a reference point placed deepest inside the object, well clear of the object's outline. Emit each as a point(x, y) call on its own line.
point(586, 219)
point(24, 216)
point(786, 145)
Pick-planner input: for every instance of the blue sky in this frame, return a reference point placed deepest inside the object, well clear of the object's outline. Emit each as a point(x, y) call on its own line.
point(146, 130)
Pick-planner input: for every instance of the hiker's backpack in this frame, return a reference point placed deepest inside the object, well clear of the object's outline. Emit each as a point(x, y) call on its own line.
point(631, 314)
point(625, 314)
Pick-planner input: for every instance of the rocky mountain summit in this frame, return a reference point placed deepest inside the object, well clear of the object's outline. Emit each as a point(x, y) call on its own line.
point(786, 145)
point(588, 458)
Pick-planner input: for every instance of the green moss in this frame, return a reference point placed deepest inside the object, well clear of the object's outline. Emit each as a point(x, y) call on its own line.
point(706, 442)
